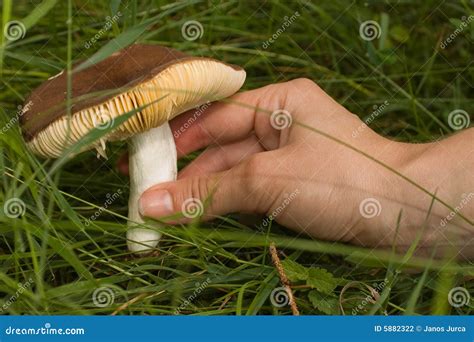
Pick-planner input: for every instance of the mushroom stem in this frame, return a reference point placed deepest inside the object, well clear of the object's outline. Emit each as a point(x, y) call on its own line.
point(152, 160)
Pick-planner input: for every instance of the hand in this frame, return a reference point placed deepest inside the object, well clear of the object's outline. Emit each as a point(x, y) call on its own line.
point(303, 179)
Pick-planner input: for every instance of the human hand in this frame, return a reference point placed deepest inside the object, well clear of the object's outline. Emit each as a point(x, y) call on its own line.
point(316, 182)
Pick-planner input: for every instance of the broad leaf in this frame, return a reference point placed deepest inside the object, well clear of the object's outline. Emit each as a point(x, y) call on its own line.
point(321, 280)
point(324, 303)
point(294, 271)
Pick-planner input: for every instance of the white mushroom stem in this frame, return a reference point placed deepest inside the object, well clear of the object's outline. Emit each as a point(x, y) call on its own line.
point(152, 160)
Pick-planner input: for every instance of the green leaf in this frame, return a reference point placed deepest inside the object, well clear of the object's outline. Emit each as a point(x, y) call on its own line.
point(40, 11)
point(294, 271)
point(324, 303)
point(263, 293)
point(384, 25)
point(114, 6)
point(66, 251)
point(321, 280)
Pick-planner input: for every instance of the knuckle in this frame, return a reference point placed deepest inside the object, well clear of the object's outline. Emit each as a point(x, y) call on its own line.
point(199, 188)
point(194, 188)
point(281, 95)
point(302, 83)
point(273, 97)
point(300, 91)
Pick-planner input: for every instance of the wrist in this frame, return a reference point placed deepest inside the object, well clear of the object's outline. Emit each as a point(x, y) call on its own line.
point(436, 169)
point(395, 191)
point(428, 171)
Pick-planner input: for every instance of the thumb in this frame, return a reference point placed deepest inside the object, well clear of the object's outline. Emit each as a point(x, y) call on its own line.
point(239, 189)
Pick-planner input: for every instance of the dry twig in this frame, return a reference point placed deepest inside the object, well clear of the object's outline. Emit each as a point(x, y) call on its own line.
point(284, 279)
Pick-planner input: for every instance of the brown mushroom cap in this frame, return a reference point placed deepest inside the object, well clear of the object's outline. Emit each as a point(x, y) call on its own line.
point(168, 81)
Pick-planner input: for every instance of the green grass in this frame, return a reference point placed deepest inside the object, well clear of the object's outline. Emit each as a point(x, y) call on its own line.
point(228, 258)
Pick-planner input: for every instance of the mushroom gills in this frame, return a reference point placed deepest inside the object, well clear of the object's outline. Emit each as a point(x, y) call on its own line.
point(152, 160)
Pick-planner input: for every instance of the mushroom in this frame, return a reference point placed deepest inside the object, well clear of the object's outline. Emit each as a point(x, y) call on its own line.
point(158, 83)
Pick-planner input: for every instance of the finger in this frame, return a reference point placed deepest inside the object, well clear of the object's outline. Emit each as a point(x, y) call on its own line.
point(221, 158)
point(235, 190)
point(232, 120)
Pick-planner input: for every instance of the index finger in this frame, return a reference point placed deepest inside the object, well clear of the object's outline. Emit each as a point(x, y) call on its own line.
point(223, 122)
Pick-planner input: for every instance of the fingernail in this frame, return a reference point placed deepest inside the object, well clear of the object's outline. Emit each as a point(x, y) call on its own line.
point(156, 203)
